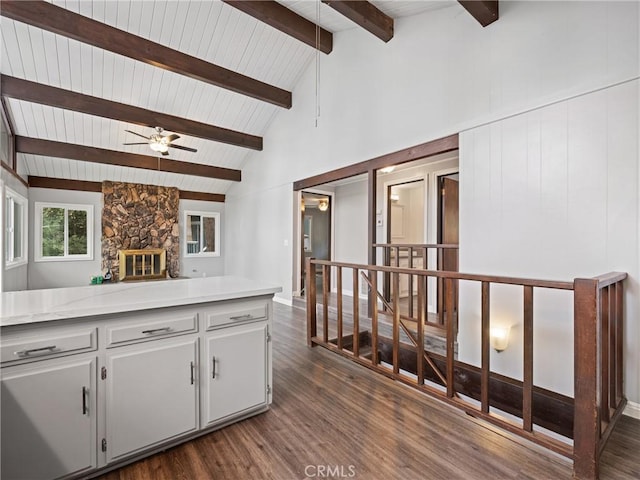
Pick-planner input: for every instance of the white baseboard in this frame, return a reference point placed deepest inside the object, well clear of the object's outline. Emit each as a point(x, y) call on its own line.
point(285, 301)
point(632, 410)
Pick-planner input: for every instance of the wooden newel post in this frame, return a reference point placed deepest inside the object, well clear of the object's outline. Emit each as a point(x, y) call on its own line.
point(586, 353)
point(310, 292)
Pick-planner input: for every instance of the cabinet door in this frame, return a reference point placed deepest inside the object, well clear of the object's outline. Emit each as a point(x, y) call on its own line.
point(236, 372)
point(48, 419)
point(151, 394)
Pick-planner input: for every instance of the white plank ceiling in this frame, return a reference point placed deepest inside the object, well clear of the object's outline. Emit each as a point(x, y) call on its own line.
point(210, 30)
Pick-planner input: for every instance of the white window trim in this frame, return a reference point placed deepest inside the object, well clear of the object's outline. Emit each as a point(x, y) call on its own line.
point(216, 252)
point(37, 240)
point(17, 198)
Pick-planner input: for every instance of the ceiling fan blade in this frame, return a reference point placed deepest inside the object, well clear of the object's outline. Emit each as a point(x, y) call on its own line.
point(172, 137)
point(180, 147)
point(137, 143)
point(137, 134)
point(165, 153)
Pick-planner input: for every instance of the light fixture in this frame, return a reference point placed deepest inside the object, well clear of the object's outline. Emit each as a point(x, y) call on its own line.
point(158, 143)
point(499, 338)
point(302, 206)
point(394, 197)
point(387, 169)
point(323, 205)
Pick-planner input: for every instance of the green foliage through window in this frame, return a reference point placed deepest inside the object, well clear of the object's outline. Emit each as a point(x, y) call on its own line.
point(65, 231)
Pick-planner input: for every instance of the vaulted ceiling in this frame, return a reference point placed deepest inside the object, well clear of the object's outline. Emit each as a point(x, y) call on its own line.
point(76, 75)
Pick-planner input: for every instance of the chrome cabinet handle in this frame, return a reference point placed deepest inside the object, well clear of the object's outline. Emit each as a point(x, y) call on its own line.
point(192, 376)
point(248, 316)
point(213, 375)
point(31, 351)
point(157, 330)
point(84, 400)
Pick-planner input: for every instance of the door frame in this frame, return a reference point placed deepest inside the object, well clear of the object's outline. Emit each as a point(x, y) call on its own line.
point(297, 225)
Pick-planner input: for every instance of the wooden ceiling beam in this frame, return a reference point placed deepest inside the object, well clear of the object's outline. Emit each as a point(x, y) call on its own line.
point(49, 148)
point(56, 97)
point(365, 14)
point(281, 18)
point(484, 11)
point(86, 30)
point(85, 186)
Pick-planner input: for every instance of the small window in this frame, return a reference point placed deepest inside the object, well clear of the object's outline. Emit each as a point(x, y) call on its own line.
point(63, 232)
point(202, 234)
point(16, 229)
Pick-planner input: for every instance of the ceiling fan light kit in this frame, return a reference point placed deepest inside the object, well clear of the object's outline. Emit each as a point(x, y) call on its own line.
point(160, 143)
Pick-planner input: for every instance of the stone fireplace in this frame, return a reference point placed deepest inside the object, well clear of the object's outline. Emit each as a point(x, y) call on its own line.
point(137, 217)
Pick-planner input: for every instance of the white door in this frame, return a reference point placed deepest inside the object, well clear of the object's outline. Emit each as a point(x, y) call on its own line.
point(48, 419)
point(151, 394)
point(236, 372)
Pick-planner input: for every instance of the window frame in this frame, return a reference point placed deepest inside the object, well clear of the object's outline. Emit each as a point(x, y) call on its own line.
point(37, 240)
point(216, 217)
point(12, 197)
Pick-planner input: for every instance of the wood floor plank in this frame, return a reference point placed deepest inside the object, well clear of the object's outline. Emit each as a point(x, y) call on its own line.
point(329, 412)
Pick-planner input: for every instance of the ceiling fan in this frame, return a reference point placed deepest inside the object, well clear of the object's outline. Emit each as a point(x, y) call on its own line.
point(160, 143)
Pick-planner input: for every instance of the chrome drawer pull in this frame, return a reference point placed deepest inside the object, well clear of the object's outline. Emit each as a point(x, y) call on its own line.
point(192, 371)
point(31, 351)
point(157, 330)
point(248, 316)
point(213, 375)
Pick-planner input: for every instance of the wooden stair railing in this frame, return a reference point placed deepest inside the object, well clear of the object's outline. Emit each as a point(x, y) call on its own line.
point(598, 340)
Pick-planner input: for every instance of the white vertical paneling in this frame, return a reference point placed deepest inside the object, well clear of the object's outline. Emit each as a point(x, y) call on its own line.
point(622, 171)
point(565, 178)
point(587, 183)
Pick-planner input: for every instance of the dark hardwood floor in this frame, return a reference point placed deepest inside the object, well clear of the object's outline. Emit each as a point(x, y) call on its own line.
point(331, 418)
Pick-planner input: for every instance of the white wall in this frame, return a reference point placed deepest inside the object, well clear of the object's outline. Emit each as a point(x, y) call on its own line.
point(67, 273)
point(552, 194)
point(14, 278)
point(441, 74)
point(202, 266)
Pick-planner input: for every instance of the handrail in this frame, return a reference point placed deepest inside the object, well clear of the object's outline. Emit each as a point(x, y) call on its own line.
point(555, 284)
point(417, 245)
point(610, 278)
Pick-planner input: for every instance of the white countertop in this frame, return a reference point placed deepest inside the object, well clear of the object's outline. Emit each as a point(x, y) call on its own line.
point(30, 306)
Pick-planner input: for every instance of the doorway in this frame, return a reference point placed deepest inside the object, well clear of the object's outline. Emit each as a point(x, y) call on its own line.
point(315, 235)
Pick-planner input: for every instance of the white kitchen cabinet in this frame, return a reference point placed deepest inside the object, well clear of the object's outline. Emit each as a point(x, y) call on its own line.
point(151, 394)
point(49, 419)
point(236, 372)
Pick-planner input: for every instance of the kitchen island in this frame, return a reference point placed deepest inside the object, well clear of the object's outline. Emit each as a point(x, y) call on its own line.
point(99, 376)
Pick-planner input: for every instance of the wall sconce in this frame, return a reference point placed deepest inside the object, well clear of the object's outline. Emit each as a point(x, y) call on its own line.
point(323, 205)
point(499, 338)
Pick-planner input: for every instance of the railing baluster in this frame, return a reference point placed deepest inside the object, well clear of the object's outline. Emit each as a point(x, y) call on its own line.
point(339, 304)
point(356, 315)
point(310, 291)
point(611, 291)
point(325, 301)
point(604, 356)
point(410, 282)
point(619, 343)
point(450, 338)
point(421, 319)
point(527, 380)
point(396, 322)
point(373, 278)
point(486, 348)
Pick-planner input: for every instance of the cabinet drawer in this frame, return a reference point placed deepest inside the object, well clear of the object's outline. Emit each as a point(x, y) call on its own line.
point(47, 345)
point(235, 313)
point(151, 329)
